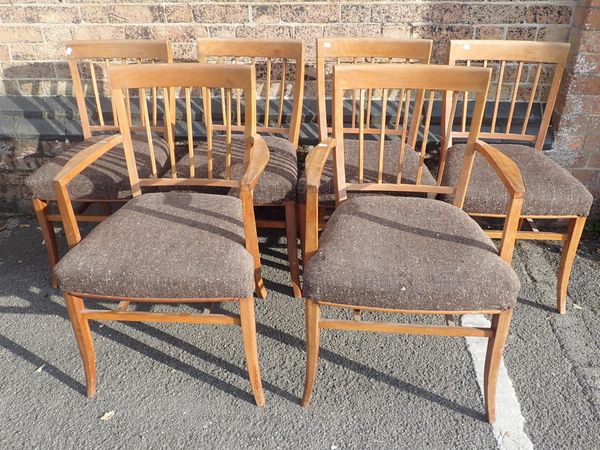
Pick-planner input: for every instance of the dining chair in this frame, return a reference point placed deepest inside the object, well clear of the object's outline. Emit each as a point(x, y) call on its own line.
point(408, 255)
point(525, 84)
point(362, 114)
point(106, 181)
point(165, 247)
point(280, 68)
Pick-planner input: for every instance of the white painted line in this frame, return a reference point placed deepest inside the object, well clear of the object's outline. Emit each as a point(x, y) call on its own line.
point(509, 427)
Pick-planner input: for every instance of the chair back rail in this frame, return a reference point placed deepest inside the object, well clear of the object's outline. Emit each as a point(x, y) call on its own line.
point(282, 62)
point(186, 80)
point(89, 62)
point(429, 82)
point(359, 50)
point(524, 73)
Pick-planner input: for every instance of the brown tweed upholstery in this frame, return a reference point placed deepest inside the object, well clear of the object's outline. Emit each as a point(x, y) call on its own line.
point(277, 184)
point(371, 161)
point(164, 245)
point(105, 178)
point(549, 188)
point(408, 253)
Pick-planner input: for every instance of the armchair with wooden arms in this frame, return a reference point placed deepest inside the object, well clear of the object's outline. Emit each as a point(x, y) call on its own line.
point(409, 255)
point(167, 246)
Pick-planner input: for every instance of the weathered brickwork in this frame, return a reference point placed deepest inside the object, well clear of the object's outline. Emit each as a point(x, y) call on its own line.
point(577, 143)
point(32, 35)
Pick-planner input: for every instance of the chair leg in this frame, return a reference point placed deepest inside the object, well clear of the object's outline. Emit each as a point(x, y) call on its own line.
point(292, 246)
point(41, 208)
point(83, 335)
point(302, 228)
point(569, 251)
point(493, 358)
point(248, 324)
point(312, 315)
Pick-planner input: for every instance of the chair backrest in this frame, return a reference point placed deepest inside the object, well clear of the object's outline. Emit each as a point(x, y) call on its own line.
point(88, 62)
point(188, 81)
point(338, 51)
point(280, 70)
point(526, 75)
point(431, 82)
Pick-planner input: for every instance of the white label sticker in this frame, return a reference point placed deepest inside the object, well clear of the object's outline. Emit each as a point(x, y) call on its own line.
point(467, 46)
point(69, 51)
point(327, 45)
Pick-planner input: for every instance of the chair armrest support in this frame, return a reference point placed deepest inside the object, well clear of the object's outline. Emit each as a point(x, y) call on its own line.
point(315, 162)
point(70, 170)
point(509, 174)
point(256, 165)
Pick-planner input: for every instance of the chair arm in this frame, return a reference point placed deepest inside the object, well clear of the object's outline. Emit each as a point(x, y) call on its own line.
point(504, 167)
point(510, 175)
point(256, 165)
point(315, 162)
point(69, 171)
point(313, 169)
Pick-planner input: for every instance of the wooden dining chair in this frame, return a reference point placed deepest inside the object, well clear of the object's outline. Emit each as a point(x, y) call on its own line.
point(525, 85)
point(408, 255)
point(168, 246)
point(280, 68)
point(106, 181)
point(332, 52)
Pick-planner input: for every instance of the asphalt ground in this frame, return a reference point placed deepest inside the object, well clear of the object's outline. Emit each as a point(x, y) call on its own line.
point(175, 385)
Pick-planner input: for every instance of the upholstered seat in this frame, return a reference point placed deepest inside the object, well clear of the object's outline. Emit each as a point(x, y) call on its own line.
point(277, 183)
point(106, 179)
point(168, 245)
point(408, 253)
point(371, 163)
point(549, 188)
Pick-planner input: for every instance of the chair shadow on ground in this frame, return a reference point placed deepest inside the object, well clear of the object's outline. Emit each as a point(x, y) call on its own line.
point(40, 304)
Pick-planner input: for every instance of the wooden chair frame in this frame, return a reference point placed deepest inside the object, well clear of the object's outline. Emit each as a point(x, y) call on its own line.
point(520, 52)
point(386, 51)
point(419, 77)
point(94, 51)
point(284, 50)
point(167, 77)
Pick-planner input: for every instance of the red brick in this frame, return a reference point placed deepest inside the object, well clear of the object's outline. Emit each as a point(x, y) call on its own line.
point(541, 14)
point(491, 32)
point(20, 34)
point(355, 13)
point(310, 13)
point(589, 177)
point(267, 14)
point(586, 84)
point(119, 13)
point(264, 31)
point(594, 160)
point(590, 41)
point(178, 13)
point(52, 14)
point(98, 32)
point(226, 13)
point(401, 12)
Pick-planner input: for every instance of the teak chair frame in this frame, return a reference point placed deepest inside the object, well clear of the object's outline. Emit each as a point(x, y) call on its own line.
point(418, 77)
point(167, 77)
point(94, 51)
point(285, 50)
point(520, 52)
point(382, 50)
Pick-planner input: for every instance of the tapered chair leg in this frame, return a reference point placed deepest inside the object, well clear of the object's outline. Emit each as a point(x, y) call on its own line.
point(83, 335)
point(248, 324)
point(302, 228)
point(493, 358)
point(312, 314)
point(292, 246)
point(566, 262)
point(41, 208)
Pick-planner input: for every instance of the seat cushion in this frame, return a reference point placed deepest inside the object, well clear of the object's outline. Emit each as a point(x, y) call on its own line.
point(549, 188)
point(371, 163)
point(408, 253)
point(277, 184)
point(106, 178)
point(164, 245)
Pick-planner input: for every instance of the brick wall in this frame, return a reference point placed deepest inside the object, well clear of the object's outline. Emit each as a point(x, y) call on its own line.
point(577, 142)
point(32, 33)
